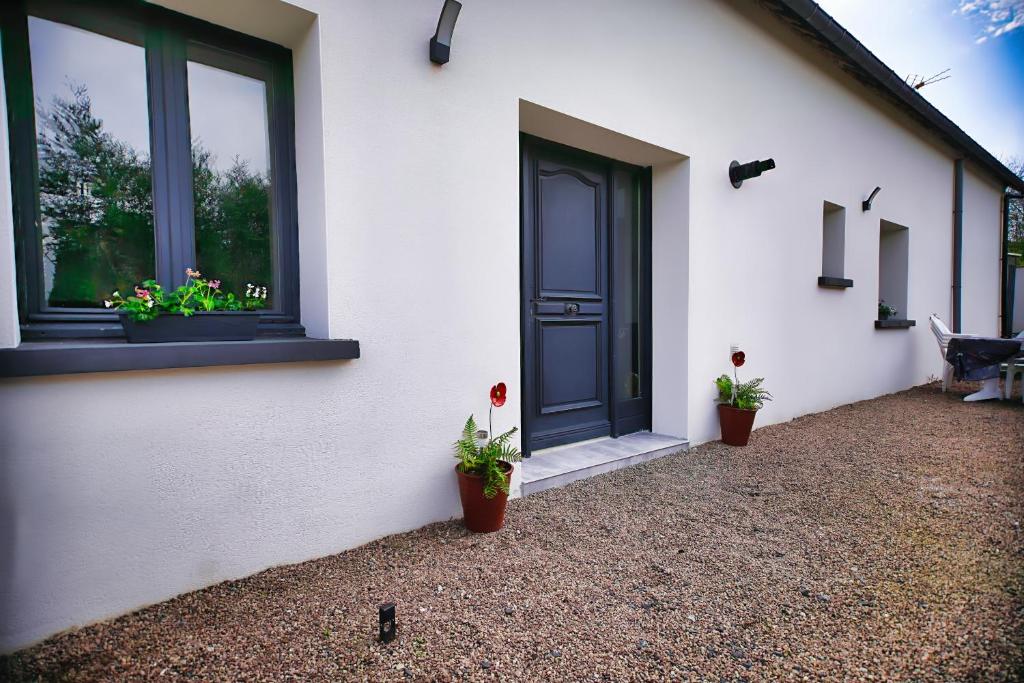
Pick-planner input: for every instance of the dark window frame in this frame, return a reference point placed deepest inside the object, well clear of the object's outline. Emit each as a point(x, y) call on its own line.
point(170, 39)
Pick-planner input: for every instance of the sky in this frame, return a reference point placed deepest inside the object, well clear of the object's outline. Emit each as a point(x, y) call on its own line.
point(228, 112)
point(981, 42)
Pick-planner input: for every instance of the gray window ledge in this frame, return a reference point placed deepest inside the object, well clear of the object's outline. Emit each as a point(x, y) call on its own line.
point(892, 324)
point(75, 355)
point(834, 282)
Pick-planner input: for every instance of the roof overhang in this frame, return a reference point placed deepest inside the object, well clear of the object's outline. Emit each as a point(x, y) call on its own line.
point(814, 24)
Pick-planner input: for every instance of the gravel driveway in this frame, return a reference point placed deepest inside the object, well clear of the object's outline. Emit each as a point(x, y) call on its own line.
point(877, 541)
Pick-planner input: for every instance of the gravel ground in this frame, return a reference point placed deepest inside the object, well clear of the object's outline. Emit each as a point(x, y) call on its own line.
point(877, 541)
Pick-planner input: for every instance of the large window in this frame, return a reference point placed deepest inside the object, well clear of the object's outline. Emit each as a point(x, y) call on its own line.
point(143, 143)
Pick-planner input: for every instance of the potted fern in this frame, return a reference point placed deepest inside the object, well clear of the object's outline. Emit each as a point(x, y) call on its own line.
point(485, 470)
point(738, 403)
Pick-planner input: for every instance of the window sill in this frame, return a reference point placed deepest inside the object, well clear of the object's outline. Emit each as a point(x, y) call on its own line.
point(892, 324)
point(75, 355)
point(834, 282)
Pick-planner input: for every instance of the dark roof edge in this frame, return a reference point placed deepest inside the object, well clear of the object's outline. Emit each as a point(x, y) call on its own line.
point(814, 22)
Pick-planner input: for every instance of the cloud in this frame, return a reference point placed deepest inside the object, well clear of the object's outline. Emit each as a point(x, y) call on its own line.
point(999, 17)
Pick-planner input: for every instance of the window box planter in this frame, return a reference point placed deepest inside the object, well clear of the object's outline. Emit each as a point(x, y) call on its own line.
point(834, 282)
point(894, 324)
point(200, 327)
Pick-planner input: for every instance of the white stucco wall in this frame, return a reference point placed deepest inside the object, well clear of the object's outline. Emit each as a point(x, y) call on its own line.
point(123, 489)
point(980, 295)
point(1018, 301)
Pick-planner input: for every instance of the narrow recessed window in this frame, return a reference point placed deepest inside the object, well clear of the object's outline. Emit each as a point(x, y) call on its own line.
point(833, 247)
point(893, 258)
point(833, 240)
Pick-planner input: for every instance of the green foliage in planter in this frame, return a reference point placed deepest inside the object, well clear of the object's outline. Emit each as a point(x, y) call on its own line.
point(484, 460)
point(748, 395)
point(196, 295)
point(885, 311)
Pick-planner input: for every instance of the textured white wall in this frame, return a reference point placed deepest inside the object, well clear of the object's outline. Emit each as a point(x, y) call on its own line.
point(980, 295)
point(1018, 301)
point(126, 488)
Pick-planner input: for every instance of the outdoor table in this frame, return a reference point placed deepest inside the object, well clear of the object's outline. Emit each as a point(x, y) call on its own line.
point(978, 358)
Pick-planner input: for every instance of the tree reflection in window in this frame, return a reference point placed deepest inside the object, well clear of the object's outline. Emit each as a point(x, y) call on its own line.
point(95, 197)
point(95, 188)
point(231, 176)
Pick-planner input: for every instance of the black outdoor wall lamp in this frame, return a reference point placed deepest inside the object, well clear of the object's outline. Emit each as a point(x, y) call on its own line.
point(866, 204)
point(739, 172)
point(441, 42)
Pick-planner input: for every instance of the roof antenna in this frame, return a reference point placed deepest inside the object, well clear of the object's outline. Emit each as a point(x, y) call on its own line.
point(916, 82)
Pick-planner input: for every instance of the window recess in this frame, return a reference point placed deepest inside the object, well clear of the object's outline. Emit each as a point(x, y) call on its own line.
point(893, 275)
point(833, 247)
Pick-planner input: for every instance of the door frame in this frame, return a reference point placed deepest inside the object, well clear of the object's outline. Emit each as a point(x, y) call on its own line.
point(620, 424)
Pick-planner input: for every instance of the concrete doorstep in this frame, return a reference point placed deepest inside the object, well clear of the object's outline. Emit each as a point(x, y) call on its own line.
point(562, 465)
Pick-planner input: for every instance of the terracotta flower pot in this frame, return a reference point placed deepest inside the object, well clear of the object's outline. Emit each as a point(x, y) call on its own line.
point(482, 515)
point(736, 424)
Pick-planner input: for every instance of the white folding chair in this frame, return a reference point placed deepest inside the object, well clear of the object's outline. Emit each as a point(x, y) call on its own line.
point(1013, 367)
point(942, 336)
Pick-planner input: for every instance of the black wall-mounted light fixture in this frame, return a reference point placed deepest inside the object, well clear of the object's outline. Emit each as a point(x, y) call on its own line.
point(441, 42)
point(866, 204)
point(387, 622)
point(739, 172)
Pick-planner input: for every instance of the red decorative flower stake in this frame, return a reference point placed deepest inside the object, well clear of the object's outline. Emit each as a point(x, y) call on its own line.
point(739, 358)
point(498, 395)
point(498, 392)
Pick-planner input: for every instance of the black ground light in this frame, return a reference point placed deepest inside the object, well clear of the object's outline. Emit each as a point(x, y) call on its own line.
point(387, 622)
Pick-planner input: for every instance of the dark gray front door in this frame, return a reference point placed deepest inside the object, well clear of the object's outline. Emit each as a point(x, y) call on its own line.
point(570, 215)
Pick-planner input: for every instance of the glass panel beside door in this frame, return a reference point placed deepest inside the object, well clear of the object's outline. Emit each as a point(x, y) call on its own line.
point(631, 315)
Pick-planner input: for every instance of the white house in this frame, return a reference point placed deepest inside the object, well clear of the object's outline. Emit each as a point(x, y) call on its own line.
point(551, 208)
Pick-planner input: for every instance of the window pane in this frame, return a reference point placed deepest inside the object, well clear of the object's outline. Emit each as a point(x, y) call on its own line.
point(95, 189)
point(231, 177)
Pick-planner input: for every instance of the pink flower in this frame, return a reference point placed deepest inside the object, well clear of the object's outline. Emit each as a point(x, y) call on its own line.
point(141, 293)
point(214, 284)
point(192, 273)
